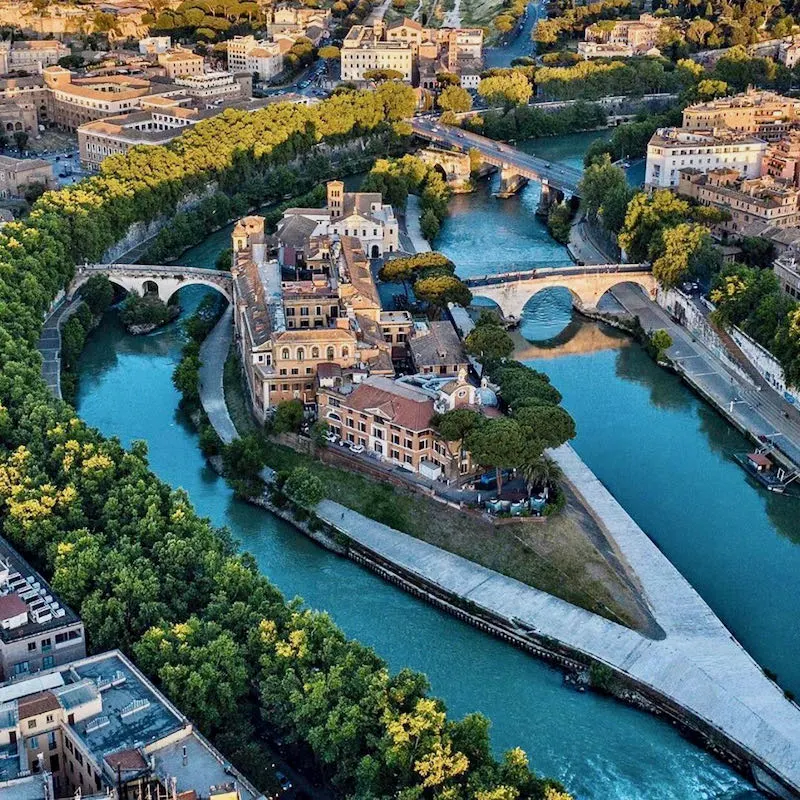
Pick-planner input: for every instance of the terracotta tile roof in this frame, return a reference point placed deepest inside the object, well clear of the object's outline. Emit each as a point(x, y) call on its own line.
point(35, 704)
point(400, 404)
point(11, 605)
point(438, 346)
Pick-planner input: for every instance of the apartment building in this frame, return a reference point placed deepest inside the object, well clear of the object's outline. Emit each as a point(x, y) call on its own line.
point(76, 101)
point(288, 324)
point(28, 99)
point(312, 23)
point(211, 86)
point(436, 349)
point(154, 45)
point(97, 727)
point(256, 56)
point(158, 121)
point(672, 149)
point(782, 159)
point(179, 62)
point(362, 215)
point(755, 202)
point(624, 37)
point(30, 56)
point(366, 48)
point(37, 631)
point(392, 419)
point(17, 174)
point(761, 113)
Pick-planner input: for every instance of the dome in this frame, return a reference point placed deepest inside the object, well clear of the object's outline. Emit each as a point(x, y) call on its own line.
point(487, 396)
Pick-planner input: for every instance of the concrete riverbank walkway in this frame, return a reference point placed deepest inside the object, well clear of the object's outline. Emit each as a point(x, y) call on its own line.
point(49, 344)
point(699, 666)
point(213, 354)
point(760, 412)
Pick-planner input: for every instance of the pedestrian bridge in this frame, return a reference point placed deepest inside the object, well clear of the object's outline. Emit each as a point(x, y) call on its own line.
point(162, 281)
point(512, 290)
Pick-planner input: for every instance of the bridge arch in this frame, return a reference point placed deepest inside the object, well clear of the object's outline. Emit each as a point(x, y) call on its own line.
point(162, 281)
point(586, 285)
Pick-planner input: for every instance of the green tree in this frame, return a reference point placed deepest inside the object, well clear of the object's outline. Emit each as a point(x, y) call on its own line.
point(456, 424)
point(500, 443)
point(304, 487)
point(455, 99)
point(21, 140)
point(489, 343)
point(288, 416)
point(429, 224)
point(685, 251)
point(660, 341)
point(647, 216)
point(440, 290)
point(98, 294)
point(507, 90)
point(540, 470)
point(559, 222)
point(549, 425)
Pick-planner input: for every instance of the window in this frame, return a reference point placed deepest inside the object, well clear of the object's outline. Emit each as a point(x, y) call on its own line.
point(315, 352)
point(301, 354)
point(31, 724)
point(49, 718)
point(22, 668)
point(79, 757)
point(31, 646)
point(330, 354)
point(295, 371)
point(408, 444)
point(54, 763)
point(345, 352)
point(33, 743)
point(48, 662)
point(52, 743)
point(285, 353)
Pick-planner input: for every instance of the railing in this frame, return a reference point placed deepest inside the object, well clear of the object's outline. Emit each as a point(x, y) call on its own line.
point(561, 272)
point(147, 269)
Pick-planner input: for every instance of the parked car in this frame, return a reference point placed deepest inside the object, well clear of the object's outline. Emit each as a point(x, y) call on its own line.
point(356, 448)
point(330, 436)
point(285, 783)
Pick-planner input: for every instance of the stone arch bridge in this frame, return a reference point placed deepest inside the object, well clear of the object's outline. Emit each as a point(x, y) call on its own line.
point(512, 290)
point(162, 281)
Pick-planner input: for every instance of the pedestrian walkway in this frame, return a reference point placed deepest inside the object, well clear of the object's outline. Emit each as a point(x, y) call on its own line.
point(758, 412)
point(698, 666)
point(49, 344)
point(418, 242)
point(213, 354)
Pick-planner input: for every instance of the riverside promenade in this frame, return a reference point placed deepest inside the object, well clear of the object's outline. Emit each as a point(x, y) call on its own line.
point(698, 670)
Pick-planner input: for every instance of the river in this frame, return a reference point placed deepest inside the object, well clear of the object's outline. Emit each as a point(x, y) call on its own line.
point(661, 452)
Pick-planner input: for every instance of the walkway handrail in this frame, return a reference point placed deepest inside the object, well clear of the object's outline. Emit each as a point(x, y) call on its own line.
point(549, 272)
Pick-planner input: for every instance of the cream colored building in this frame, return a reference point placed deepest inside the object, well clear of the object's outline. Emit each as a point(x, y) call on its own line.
point(637, 35)
point(154, 45)
point(789, 52)
point(288, 326)
point(366, 48)
point(16, 174)
point(30, 56)
point(210, 86)
point(259, 57)
point(761, 113)
point(361, 215)
point(756, 202)
point(672, 149)
point(76, 101)
point(782, 159)
point(180, 62)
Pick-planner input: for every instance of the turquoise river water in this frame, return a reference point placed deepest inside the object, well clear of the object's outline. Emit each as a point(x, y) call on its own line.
point(662, 453)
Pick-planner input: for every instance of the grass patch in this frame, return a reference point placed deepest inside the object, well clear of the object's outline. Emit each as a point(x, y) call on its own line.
point(480, 13)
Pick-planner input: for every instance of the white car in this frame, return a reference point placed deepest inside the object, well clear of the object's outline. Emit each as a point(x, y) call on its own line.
point(356, 448)
point(331, 436)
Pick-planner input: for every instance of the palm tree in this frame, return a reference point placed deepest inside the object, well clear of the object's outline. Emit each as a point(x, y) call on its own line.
point(540, 471)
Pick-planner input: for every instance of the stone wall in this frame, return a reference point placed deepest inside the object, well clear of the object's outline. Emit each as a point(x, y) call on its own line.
point(140, 232)
point(766, 364)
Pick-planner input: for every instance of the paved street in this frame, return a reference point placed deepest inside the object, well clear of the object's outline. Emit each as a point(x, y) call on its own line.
point(49, 345)
point(760, 412)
